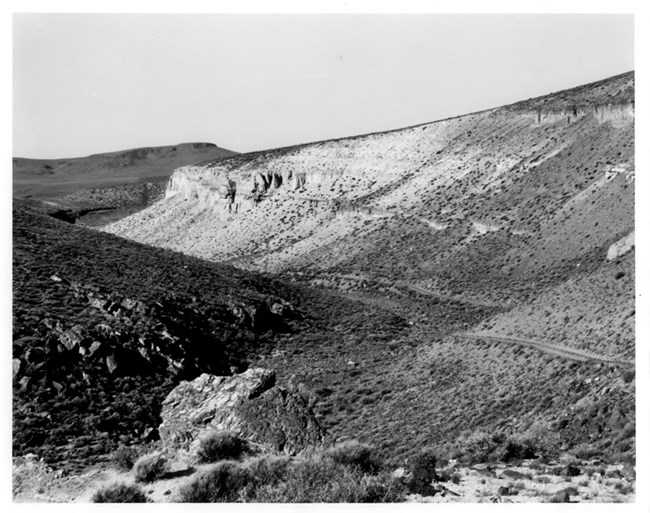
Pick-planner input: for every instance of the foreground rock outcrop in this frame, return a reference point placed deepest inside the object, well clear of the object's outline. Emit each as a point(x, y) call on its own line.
point(249, 404)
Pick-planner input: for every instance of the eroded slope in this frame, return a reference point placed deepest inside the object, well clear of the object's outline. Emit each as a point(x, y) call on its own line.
point(494, 204)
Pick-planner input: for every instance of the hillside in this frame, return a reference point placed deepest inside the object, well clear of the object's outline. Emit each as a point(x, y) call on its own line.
point(528, 208)
point(104, 328)
point(107, 186)
point(465, 285)
point(493, 206)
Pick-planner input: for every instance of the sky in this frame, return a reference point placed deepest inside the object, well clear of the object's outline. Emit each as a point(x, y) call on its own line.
point(92, 83)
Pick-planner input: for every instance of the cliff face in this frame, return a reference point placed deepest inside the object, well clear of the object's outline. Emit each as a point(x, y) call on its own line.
point(524, 188)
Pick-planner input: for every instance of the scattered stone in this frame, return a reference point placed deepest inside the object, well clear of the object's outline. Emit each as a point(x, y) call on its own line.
point(513, 474)
point(280, 309)
point(111, 364)
point(150, 435)
point(94, 347)
point(24, 382)
point(16, 365)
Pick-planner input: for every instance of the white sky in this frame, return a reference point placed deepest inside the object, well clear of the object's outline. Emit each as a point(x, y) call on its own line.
point(90, 83)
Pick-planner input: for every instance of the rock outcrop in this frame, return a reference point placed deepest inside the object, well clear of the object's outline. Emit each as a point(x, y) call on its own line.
point(621, 247)
point(249, 404)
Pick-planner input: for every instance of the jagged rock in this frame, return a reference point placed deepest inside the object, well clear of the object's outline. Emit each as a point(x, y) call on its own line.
point(16, 365)
point(111, 364)
point(281, 309)
point(95, 346)
point(248, 403)
point(71, 338)
point(24, 382)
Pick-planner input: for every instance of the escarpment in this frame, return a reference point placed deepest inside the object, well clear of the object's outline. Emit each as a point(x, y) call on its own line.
point(521, 193)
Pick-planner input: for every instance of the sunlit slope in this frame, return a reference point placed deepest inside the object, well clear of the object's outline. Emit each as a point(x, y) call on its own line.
point(496, 204)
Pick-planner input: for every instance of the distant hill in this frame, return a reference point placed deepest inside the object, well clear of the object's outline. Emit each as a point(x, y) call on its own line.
point(107, 186)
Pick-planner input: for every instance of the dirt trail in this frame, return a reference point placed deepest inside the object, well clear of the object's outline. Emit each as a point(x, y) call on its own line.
point(459, 299)
point(394, 285)
point(563, 351)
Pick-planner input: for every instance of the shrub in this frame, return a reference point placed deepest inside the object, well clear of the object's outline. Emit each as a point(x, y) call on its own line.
point(119, 493)
point(478, 447)
point(516, 449)
point(220, 445)
point(224, 482)
point(124, 457)
point(540, 439)
point(150, 467)
point(268, 470)
point(356, 455)
point(423, 465)
point(319, 479)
